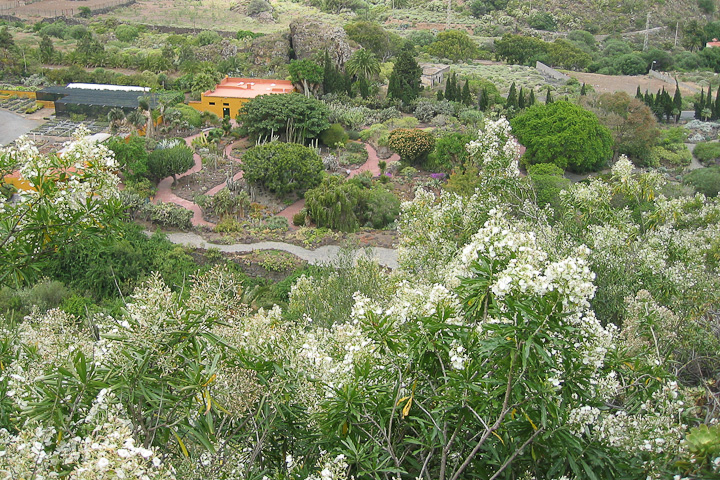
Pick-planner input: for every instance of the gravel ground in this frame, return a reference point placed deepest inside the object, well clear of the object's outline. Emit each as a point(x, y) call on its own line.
point(326, 254)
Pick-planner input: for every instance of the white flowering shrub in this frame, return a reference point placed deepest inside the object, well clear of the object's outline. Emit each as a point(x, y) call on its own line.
point(62, 196)
point(510, 343)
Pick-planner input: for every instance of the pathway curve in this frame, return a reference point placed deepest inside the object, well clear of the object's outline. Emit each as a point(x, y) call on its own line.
point(325, 254)
point(165, 194)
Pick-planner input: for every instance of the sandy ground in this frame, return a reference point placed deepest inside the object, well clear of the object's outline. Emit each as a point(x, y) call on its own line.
point(628, 84)
point(12, 126)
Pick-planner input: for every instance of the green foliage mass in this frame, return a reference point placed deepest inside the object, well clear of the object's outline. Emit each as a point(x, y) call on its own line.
point(454, 45)
point(292, 114)
point(171, 161)
point(130, 155)
point(704, 180)
point(112, 266)
point(334, 136)
point(707, 152)
point(282, 168)
point(564, 134)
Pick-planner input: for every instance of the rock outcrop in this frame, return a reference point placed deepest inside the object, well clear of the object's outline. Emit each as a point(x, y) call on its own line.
point(311, 37)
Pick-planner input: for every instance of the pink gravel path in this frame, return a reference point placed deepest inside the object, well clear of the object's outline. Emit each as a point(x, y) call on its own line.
point(371, 165)
point(236, 177)
point(165, 194)
point(164, 189)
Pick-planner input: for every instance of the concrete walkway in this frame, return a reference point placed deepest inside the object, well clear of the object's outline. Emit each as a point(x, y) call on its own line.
point(322, 255)
point(13, 126)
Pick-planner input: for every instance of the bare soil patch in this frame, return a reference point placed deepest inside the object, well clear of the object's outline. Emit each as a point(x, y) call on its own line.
point(628, 84)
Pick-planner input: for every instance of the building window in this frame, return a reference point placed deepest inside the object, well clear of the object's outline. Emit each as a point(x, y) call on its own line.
point(226, 104)
point(212, 103)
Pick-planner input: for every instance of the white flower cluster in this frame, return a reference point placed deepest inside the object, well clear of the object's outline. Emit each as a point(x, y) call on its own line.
point(495, 150)
point(84, 169)
point(331, 468)
point(523, 266)
point(432, 229)
point(108, 450)
point(649, 433)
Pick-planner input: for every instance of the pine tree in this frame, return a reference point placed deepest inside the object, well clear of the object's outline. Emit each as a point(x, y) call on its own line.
point(465, 96)
point(512, 97)
point(583, 90)
point(548, 97)
point(521, 99)
point(531, 98)
point(404, 82)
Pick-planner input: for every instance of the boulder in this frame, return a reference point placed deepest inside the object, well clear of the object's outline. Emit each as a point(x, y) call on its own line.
point(271, 49)
point(311, 38)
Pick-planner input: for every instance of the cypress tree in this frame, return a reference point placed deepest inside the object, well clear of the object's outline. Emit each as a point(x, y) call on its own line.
point(699, 105)
point(548, 97)
point(583, 90)
point(677, 102)
point(521, 99)
point(483, 100)
point(709, 99)
point(639, 94)
point(716, 106)
point(531, 98)
point(440, 96)
point(667, 104)
point(465, 96)
point(648, 99)
point(451, 87)
point(512, 97)
point(404, 82)
point(333, 80)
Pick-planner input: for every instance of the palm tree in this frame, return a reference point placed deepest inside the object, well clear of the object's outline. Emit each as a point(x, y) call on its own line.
point(144, 108)
point(116, 117)
point(136, 119)
point(363, 64)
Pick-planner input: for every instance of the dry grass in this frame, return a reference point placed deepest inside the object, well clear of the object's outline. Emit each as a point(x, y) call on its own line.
point(214, 14)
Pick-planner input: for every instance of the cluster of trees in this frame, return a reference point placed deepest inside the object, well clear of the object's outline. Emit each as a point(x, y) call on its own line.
point(707, 108)
point(523, 50)
point(662, 105)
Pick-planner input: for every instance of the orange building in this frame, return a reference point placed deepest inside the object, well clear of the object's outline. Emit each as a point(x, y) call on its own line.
point(229, 95)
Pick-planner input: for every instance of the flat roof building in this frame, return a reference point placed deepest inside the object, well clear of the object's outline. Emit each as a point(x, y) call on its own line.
point(93, 100)
point(230, 94)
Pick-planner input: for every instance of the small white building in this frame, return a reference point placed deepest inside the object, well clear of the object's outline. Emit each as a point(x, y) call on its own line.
point(433, 74)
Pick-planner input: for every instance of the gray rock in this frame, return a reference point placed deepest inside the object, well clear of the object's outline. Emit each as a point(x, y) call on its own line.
point(312, 37)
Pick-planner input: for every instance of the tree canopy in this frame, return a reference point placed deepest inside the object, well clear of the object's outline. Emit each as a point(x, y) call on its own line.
point(294, 116)
point(564, 134)
point(405, 77)
point(282, 168)
point(454, 45)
